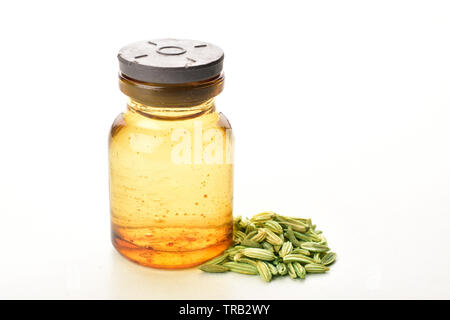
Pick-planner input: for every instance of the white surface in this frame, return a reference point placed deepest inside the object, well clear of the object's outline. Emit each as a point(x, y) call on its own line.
point(340, 110)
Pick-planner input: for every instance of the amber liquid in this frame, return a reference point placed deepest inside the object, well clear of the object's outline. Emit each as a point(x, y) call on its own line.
point(164, 213)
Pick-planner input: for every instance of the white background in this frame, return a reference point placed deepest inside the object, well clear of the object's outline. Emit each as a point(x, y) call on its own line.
point(340, 111)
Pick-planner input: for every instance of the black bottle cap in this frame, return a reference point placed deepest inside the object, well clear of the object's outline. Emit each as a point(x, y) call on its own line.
point(170, 61)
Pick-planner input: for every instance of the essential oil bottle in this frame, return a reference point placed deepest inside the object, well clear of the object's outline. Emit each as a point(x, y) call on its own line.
point(171, 156)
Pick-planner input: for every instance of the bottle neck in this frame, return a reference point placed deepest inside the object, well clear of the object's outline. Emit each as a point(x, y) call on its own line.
point(172, 113)
point(182, 95)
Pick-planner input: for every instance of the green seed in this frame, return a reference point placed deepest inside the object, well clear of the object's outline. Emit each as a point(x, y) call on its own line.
point(281, 268)
point(272, 268)
point(305, 237)
point(251, 243)
point(231, 256)
point(247, 260)
point(303, 222)
point(291, 271)
point(250, 234)
point(237, 247)
point(299, 270)
point(290, 235)
point(243, 223)
point(315, 236)
point(272, 238)
point(301, 251)
point(264, 271)
point(260, 236)
point(237, 221)
point(297, 257)
point(238, 236)
point(295, 226)
point(274, 226)
point(286, 249)
point(241, 267)
point(316, 268)
point(237, 256)
point(268, 246)
point(316, 257)
point(328, 258)
point(263, 216)
point(261, 254)
point(322, 241)
point(314, 247)
point(213, 268)
point(250, 227)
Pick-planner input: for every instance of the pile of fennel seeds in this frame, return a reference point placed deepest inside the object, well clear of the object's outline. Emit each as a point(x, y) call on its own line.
point(272, 245)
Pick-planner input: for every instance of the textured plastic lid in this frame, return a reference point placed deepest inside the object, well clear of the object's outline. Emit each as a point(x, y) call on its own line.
point(170, 61)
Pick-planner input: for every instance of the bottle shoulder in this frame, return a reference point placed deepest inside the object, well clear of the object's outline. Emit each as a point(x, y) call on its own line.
point(129, 127)
point(223, 121)
point(129, 120)
point(118, 125)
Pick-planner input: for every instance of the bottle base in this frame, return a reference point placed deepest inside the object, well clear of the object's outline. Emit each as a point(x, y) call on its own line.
point(168, 259)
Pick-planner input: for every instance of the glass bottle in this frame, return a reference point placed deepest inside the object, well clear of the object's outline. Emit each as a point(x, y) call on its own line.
point(170, 156)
